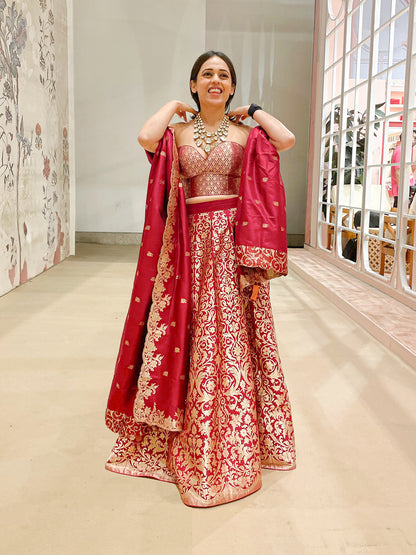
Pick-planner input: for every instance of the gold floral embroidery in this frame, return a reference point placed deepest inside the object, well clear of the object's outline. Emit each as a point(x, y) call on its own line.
point(259, 257)
point(155, 328)
point(237, 416)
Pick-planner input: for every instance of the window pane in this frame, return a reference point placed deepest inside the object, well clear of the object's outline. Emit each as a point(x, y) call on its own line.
point(366, 8)
point(377, 153)
point(399, 31)
point(335, 9)
point(328, 79)
point(330, 50)
point(401, 5)
point(339, 42)
point(381, 58)
point(337, 79)
point(385, 11)
point(412, 83)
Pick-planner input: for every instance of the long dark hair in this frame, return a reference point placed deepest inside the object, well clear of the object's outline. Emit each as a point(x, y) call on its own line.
point(197, 66)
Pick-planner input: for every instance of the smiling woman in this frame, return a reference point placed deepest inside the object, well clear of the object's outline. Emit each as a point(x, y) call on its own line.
point(198, 396)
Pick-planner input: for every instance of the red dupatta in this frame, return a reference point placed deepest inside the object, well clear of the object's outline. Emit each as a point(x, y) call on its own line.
point(150, 377)
point(260, 228)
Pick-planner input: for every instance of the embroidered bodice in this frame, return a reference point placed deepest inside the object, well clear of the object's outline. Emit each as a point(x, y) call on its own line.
point(217, 174)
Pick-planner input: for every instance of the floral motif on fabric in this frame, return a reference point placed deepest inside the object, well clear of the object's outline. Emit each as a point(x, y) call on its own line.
point(237, 416)
point(144, 455)
point(260, 257)
point(156, 327)
point(218, 449)
point(274, 420)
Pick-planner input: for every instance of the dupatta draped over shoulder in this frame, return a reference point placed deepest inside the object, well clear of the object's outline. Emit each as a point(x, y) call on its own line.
point(151, 373)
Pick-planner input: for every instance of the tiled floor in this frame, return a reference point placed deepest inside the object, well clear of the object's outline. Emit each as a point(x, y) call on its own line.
point(389, 320)
point(353, 493)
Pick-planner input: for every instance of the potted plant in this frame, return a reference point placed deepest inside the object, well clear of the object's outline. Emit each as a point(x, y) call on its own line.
point(333, 120)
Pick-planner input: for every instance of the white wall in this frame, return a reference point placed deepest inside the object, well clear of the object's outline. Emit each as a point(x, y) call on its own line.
point(130, 58)
point(270, 43)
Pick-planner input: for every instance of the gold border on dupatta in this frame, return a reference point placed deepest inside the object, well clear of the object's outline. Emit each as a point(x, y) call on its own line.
point(271, 260)
point(155, 328)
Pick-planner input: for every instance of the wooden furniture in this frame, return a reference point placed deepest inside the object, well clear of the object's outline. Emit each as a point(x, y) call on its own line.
point(345, 233)
point(387, 249)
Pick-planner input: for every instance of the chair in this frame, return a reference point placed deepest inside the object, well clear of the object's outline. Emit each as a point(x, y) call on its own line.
point(387, 249)
point(345, 233)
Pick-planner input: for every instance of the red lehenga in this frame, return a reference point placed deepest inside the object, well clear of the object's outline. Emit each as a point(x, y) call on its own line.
point(210, 419)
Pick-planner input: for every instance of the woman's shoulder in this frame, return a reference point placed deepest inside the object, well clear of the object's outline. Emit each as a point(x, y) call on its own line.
point(239, 132)
point(182, 130)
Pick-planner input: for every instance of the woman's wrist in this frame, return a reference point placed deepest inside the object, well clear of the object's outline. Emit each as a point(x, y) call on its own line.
point(253, 108)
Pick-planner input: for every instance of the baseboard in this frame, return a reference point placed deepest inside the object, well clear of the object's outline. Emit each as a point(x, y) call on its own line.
point(107, 238)
point(295, 240)
point(118, 238)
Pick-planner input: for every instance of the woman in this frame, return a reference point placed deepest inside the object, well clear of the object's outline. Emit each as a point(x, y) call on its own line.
point(198, 397)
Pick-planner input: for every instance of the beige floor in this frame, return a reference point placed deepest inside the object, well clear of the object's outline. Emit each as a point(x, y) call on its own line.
point(354, 403)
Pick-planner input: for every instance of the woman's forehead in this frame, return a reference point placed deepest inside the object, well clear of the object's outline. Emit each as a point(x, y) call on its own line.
point(215, 63)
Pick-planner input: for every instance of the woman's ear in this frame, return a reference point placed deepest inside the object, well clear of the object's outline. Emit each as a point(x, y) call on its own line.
point(193, 86)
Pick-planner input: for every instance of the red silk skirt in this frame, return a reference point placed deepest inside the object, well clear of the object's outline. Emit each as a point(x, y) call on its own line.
point(237, 416)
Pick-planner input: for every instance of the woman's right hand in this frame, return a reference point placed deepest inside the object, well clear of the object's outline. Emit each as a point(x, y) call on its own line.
point(154, 128)
point(182, 108)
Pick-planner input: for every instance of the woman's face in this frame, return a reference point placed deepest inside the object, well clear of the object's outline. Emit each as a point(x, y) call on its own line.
point(213, 83)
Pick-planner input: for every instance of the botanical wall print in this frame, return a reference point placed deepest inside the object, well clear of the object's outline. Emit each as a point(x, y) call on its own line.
point(34, 148)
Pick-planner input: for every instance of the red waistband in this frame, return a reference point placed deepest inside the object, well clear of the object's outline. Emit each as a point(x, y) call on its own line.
point(211, 205)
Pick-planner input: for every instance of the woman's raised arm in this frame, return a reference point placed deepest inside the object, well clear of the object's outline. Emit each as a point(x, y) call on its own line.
point(279, 135)
point(154, 128)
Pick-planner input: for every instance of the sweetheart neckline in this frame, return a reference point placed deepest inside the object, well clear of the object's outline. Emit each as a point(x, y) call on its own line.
point(206, 157)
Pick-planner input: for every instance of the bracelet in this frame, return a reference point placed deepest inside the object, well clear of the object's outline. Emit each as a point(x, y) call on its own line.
point(253, 108)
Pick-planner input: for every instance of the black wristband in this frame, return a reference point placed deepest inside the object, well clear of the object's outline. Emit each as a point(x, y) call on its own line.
point(253, 108)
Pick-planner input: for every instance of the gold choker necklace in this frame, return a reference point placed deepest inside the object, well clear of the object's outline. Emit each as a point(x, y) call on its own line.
point(207, 140)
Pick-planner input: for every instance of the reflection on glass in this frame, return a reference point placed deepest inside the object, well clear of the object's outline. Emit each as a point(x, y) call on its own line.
point(408, 261)
point(382, 39)
point(399, 72)
point(385, 11)
point(337, 79)
point(399, 30)
point(335, 9)
point(386, 253)
point(329, 50)
point(328, 86)
point(329, 26)
point(412, 82)
point(378, 153)
point(360, 104)
point(409, 176)
point(348, 236)
point(408, 264)
point(377, 189)
point(360, 22)
point(372, 248)
point(400, 6)
point(326, 110)
point(339, 41)
point(363, 61)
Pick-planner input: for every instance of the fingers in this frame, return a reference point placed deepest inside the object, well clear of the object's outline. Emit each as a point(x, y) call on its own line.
point(183, 109)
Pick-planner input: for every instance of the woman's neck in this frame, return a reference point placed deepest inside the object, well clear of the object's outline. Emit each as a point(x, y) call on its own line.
point(212, 117)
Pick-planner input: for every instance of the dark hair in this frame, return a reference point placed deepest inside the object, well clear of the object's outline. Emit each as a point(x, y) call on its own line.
point(197, 66)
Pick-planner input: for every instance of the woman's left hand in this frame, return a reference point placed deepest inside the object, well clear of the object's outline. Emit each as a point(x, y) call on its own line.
point(239, 114)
